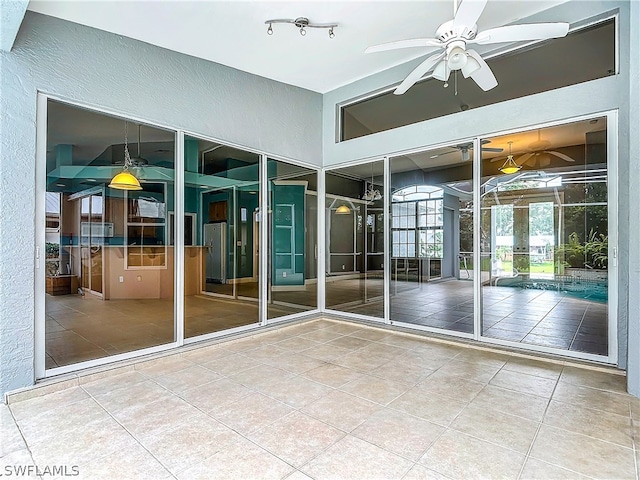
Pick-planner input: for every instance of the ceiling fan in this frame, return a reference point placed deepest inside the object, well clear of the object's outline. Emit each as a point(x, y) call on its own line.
point(465, 148)
point(539, 154)
point(454, 36)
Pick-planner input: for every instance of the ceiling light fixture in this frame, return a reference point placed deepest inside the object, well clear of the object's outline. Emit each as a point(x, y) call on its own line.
point(371, 194)
point(343, 210)
point(302, 23)
point(510, 166)
point(125, 180)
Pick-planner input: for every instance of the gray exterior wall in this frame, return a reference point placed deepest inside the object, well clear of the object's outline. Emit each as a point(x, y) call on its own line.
point(111, 72)
point(611, 93)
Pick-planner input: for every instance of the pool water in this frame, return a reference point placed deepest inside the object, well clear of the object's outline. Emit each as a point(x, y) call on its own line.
point(596, 291)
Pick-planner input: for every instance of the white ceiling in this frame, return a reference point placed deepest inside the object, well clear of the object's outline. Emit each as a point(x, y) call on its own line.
point(233, 33)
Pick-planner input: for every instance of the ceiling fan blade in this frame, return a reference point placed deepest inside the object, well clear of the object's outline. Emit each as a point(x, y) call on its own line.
point(518, 33)
point(564, 157)
point(417, 73)
point(416, 42)
point(484, 77)
point(491, 149)
point(545, 160)
point(468, 13)
point(531, 162)
point(523, 159)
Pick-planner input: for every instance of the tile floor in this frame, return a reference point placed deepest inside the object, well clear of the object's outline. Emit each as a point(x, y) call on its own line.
point(332, 400)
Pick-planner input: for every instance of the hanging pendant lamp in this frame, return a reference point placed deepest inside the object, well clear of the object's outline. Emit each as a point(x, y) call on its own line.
point(510, 166)
point(125, 180)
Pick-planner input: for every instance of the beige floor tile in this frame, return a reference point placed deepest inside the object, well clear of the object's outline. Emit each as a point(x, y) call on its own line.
point(190, 443)
point(634, 403)
point(132, 461)
point(455, 387)
point(295, 363)
point(524, 383)
point(428, 405)
point(427, 358)
point(498, 399)
point(152, 418)
point(350, 342)
point(296, 391)
point(266, 352)
point(371, 334)
point(460, 456)
point(83, 444)
point(54, 422)
point(296, 344)
point(418, 472)
point(592, 398)
point(9, 433)
point(260, 376)
point(187, 378)
point(341, 410)
point(326, 352)
point(298, 475)
point(594, 379)
point(478, 372)
point(534, 367)
point(480, 356)
point(297, 438)
point(509, 431)
point(114, 382)
point(332, 375)
point(320, 335)
point(231, 364)
point(360, 361)
point(403, 371)
point(353, 458)
point(404, 341)
point(583, 454)
point(399, 433)
point(240, 460)
point(375, 389)
point(215, 394)
point(39, 405)
point(344, 328)
point(135, 395)
point(18, 464)
point(383, 351)
point(539, 470)
point(163, 366)
point(207, 354)
point(610, 427)
point(250, 413)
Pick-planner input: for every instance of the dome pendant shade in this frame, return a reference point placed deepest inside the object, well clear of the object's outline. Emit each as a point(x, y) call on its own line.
point(343, 210)
point(510, 166)
point(125, 181)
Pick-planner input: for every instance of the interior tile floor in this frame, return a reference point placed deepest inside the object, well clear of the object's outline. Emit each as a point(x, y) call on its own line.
point(332, 400)
point(80, 328)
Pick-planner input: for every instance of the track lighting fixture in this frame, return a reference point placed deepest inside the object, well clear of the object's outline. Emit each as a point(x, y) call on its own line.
point(302, 23)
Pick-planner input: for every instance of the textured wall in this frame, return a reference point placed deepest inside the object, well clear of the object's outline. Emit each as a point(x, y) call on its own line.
point(600, 95)
point(128, 77)
point(633, 368)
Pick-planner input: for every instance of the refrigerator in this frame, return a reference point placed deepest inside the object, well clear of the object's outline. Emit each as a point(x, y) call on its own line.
point(215, 239)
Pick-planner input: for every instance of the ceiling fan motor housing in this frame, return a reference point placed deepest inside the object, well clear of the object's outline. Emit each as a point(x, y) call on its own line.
point(447, 32)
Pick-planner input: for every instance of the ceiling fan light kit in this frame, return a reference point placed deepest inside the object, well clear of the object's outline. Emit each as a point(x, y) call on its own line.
point(454, 36)
point(302, 23)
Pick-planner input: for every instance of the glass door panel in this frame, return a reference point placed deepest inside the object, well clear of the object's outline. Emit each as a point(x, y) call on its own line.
point(292, 248)
point(99, 301)
point(545, 238)
point(222, 196)
point(432, 239)
point(354, 213)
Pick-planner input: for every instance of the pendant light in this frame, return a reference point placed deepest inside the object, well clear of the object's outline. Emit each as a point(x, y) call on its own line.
point(343, 210)
point(372, 194)
point(125, 180)
point(510, 166)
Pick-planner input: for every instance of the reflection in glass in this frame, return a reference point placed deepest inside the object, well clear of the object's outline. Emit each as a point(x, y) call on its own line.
point(432, 239)
point(221, 197)
point(292, 252)
point(545, 239)
point(109, 271)
point(355, 240)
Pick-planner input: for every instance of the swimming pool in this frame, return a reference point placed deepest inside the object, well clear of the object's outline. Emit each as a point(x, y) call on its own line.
point(577, 287)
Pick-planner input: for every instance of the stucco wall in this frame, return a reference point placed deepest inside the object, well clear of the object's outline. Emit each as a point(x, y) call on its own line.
point(132, 78)
point(610, 93)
